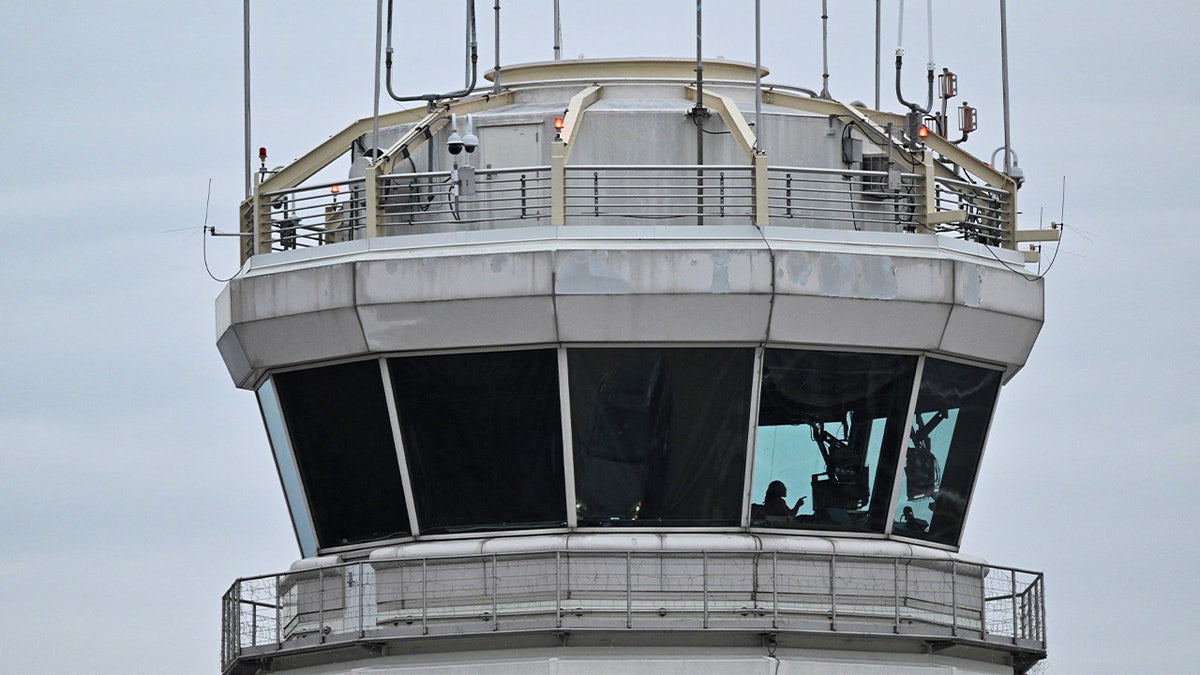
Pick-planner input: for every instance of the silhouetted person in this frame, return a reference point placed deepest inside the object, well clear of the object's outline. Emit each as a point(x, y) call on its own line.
point(910, 523)
point(774, 504)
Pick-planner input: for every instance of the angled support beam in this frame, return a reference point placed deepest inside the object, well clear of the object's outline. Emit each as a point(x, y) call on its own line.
point(729, 111)
point(437, 118)
point(1053, 234)
point(574, 116)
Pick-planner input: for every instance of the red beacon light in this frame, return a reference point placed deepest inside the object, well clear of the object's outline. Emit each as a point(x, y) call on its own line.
point(923, 132)
point(558, 127)
point(262, 154)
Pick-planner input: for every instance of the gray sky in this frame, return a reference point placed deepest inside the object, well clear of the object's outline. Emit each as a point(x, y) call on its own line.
point(136, 483)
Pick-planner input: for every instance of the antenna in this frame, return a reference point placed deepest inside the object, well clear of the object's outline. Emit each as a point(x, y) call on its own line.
point(471, 66)
point(825, 49)
point(557, 32)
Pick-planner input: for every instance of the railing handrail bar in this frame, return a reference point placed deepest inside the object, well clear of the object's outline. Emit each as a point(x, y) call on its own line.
point(535, 553)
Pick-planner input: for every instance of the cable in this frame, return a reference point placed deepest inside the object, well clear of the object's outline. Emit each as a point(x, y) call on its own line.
point(204, 240)
point(1023, 275)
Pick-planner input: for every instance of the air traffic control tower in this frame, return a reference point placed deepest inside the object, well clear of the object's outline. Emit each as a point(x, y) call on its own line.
point(608, 368)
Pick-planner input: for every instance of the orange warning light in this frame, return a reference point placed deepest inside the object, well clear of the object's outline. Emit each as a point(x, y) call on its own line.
point(923, 132)
point(558, 124)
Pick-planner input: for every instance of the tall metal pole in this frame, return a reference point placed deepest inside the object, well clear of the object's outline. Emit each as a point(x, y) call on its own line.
point(698, 112)
point(246, 85)
point(378, 58)
point(825, 49)
point(496, 73)
point(557, 33)
point(877, 51)
point(758, 76)
point(1004, 79)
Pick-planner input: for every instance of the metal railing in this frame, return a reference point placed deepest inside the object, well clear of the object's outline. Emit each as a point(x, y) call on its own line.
point(754, 591)
point(431, 201)
point(651, 194)
point(405, 203)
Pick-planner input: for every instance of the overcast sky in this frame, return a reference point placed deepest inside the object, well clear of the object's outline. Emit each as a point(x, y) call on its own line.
point(136, 483)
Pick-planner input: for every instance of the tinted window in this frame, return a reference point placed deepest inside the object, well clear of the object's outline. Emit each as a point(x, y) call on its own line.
point(268, 403)
point(949, 426)
point(344, 451)
point(829, 432)
point(659, 435)
point(483, 439)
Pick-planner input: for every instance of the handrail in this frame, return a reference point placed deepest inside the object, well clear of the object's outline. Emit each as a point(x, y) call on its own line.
point(482, 594)
point(420, 202)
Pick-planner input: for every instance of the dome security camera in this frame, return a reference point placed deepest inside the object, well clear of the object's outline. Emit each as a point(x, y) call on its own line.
point(455, 142)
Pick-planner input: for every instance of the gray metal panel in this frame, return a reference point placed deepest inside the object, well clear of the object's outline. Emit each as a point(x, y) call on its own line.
point(663, 318)
point(301, 338)
point(454, 277)
point(450, 324)
point(863, 275)
point(999, 290)
point(890, 324)
point(990, 336)
point(662, 271)
point(298, 291)
point(236, 361)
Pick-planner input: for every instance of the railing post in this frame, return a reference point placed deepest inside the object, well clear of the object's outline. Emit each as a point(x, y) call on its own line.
point(954, 597)
point(704, 574)
point(1010, 218)
point(424, 596)
point(629, 589)
point(558, 183)
point(1012, 577)
point(721, 195)
point(362, 590)
point(896, 592)
point(558, 589)
point(321, 603)
point(762, 214)
point(832, 592)
point(278, 615)
point(524, 196)
point(983, 614)
point(928, 190)
point(495, 578)
point(775, 589)
point(246, 227)
point(262, 223)
point(1042, 609)
point(371, 207)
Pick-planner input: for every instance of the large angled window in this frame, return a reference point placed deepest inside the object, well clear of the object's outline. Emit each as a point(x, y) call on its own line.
point(345, 454)
point(828, 440)
point(483, 438)
point(289, 476)
point(659, 435)
point(949, 426)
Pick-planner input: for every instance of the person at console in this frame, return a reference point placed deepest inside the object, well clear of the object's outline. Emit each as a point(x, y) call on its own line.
point(775, 506)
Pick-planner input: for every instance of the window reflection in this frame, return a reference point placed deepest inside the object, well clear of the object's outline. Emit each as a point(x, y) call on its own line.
point(659, 434)
point(483, 439)
point(949, 426)
point(345, 453)
point(828, 438)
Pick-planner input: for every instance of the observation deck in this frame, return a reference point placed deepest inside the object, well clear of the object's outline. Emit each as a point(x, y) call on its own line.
point(545, 389)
